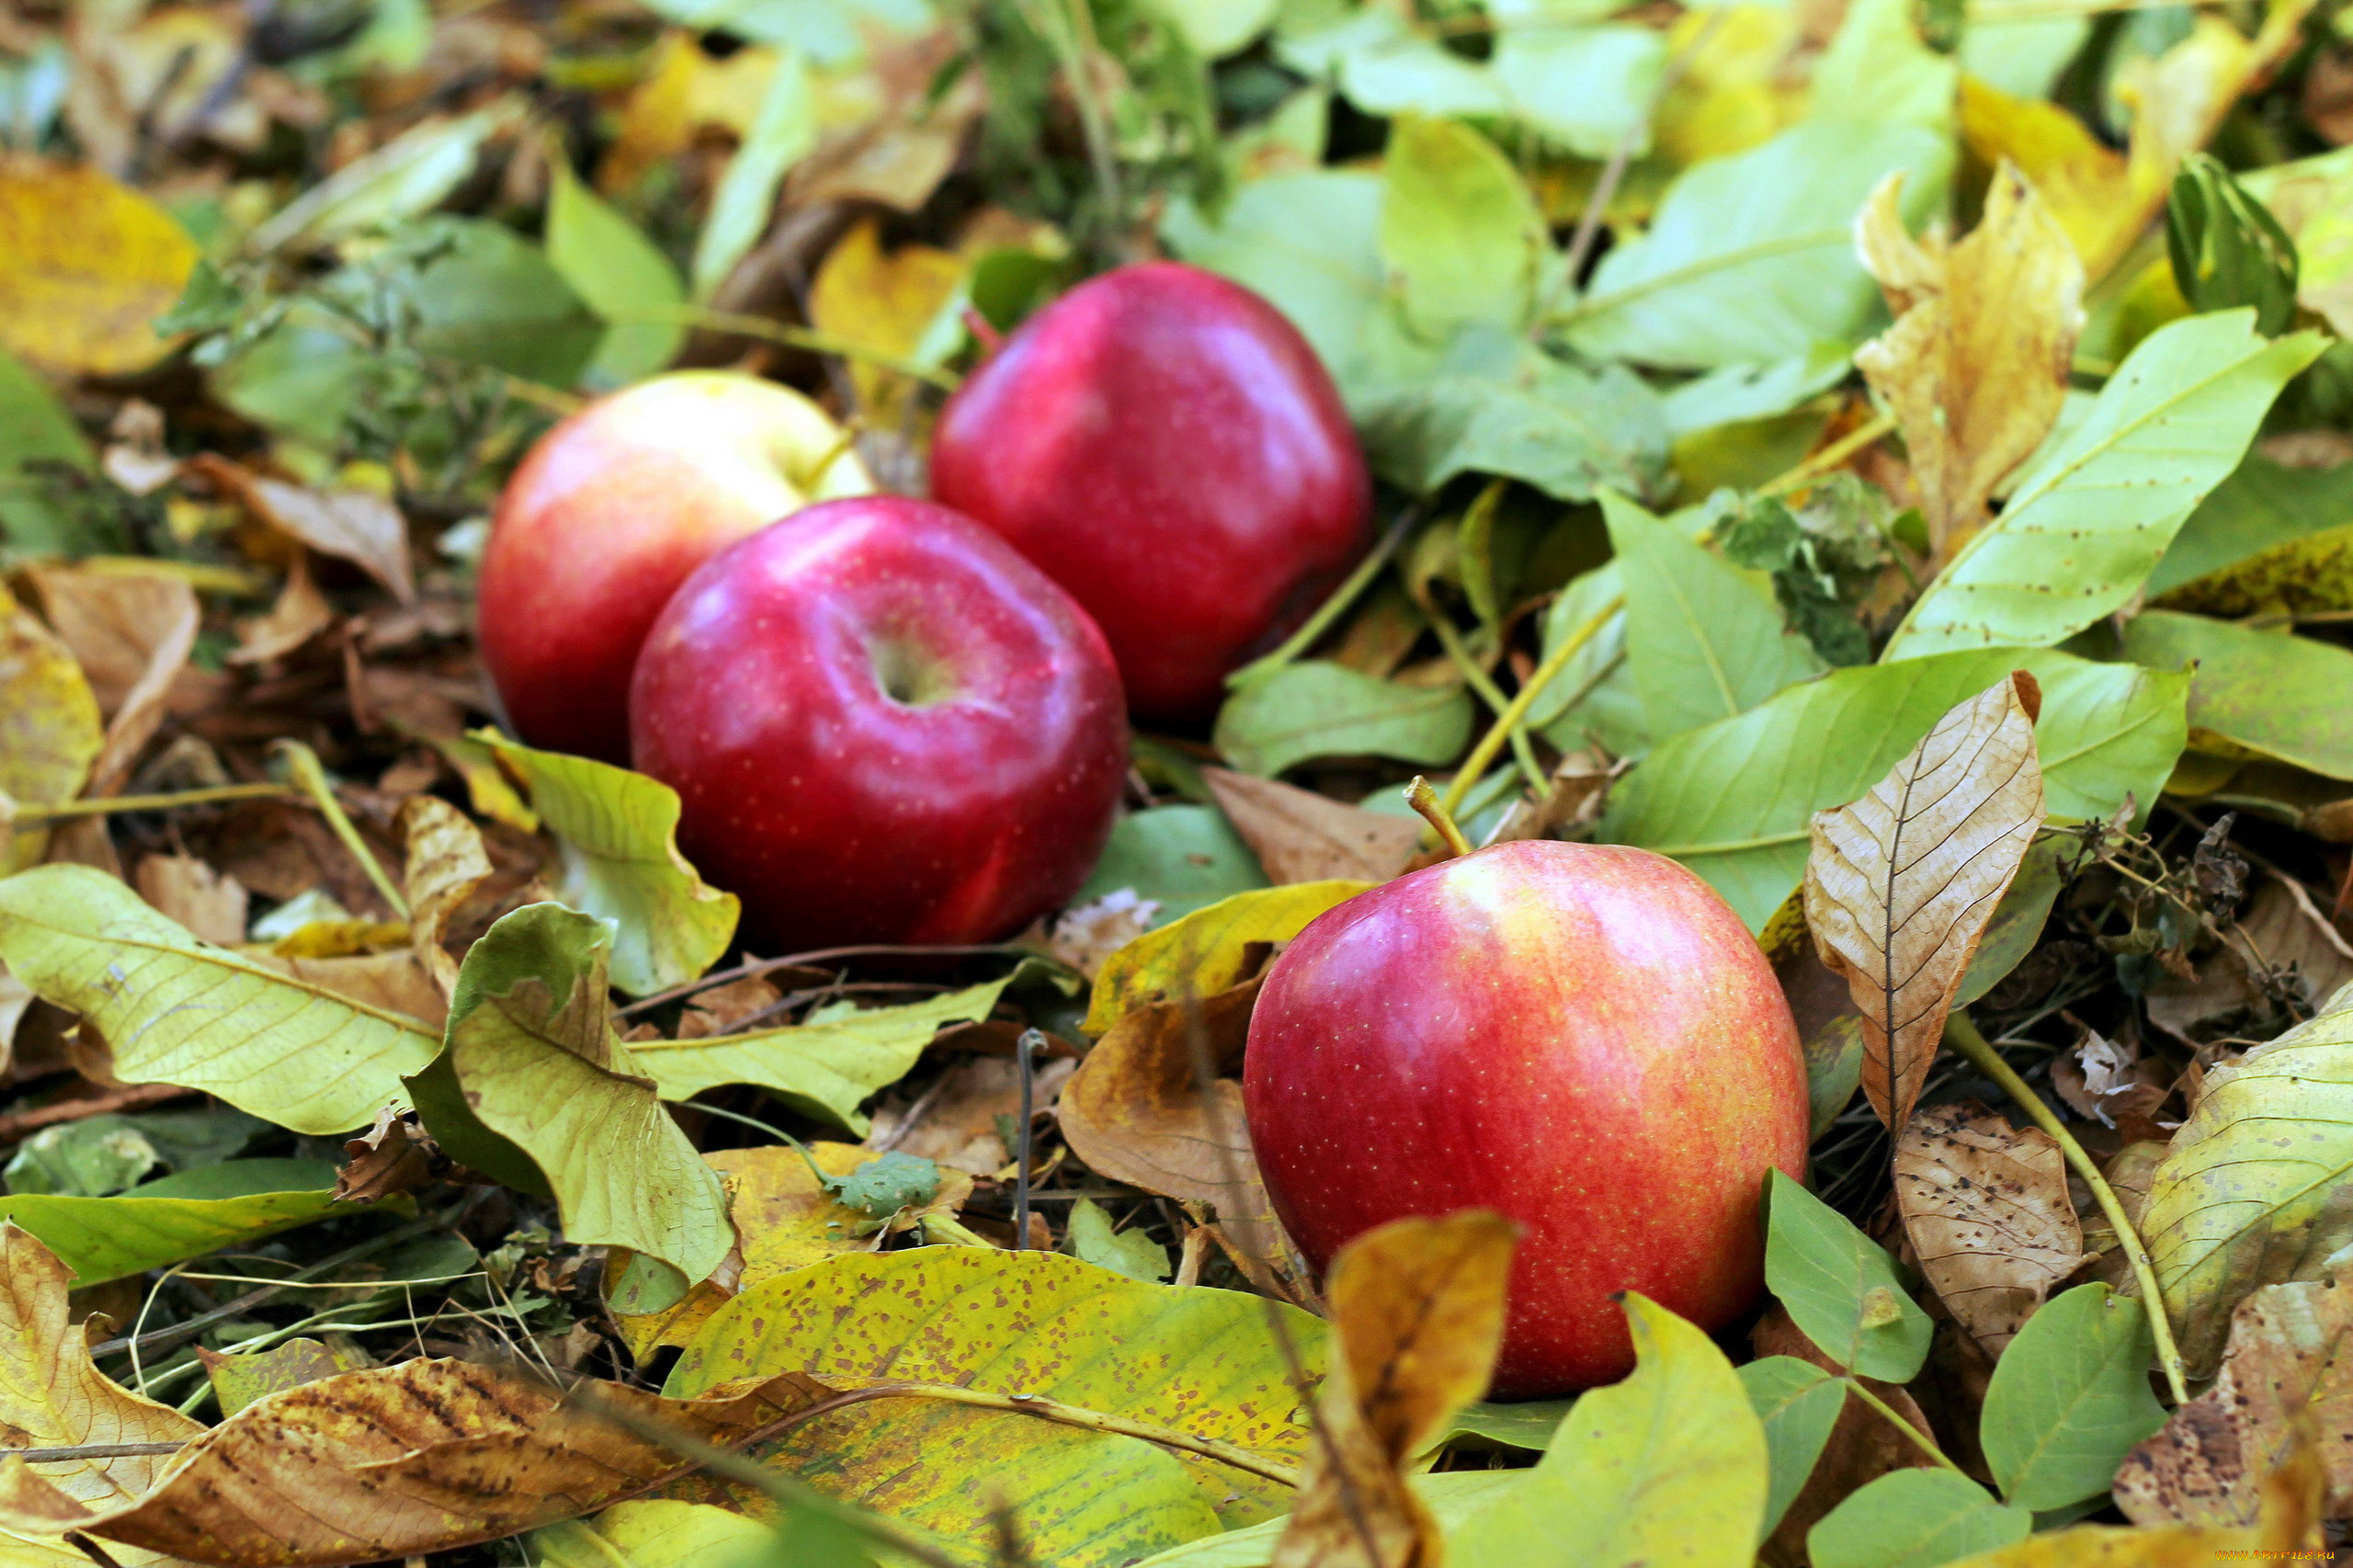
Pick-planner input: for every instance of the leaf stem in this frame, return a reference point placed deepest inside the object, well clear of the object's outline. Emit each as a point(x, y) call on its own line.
point(1963, 1036)
point(1522, 700)
point(1831, 456)
point(303, 763)
point(1920, 1439)
point(1449, 638)
point(1332, 608)
point(1423, 798)
point(739, 325)
point(111, 803)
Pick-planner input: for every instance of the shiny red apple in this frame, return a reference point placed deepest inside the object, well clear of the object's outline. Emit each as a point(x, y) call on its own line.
point(1163, 443)
point(883, 725)
point(606, 515)
point(1583, 1037)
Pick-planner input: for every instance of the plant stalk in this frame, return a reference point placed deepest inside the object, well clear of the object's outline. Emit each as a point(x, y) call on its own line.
point(1467, 777)
point(1963, 1036)
point(1332, 608)
point(1920, 1439)
point(112, 803)
point(1423, 798)
point(303, 763)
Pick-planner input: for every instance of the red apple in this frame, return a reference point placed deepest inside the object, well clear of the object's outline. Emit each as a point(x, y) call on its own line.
point(1164, 444)
point(608, 515)
point(1583, 1037)
point(883, 726)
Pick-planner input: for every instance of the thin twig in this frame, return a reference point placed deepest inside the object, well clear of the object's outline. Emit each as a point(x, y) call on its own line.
point(303, 763)
point(1831, 456)
point(1023, 1049)
point(1529, 689)
point(112, 803)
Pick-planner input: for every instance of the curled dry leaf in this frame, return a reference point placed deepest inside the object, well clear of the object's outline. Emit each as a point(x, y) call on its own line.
point(1985, 1206)
point(1900, 885)
point(1976, 365)
point(1418, 1306)
point(2291, 1358)
point(299, 613)
point(357, 526)
point(1301, 836)
point(394, 1157)
point(132, 632)
point(446, 861)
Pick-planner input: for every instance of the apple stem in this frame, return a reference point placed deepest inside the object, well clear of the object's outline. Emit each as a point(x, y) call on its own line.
point(1963, 1036)
point(983, 331)
point(1423, 798)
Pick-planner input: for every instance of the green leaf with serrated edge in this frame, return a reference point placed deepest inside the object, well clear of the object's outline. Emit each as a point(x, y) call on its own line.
point(619, 833)
point(1751, 257)
point(826, 1067)
point(1317, 709)
point(534, 1077)
point(1669, 1466)
point(1523, 1423)
point(2082, 531)
point(2261, 508)
point(1030, 1323)
point(1208, 950)
point(175, 1010)
point(1914, 1518)
point(1702, 642)
point(1799, 1404)
point(1733, 800)
point(2268, 691)
point(178, 1217)
point(1840, 1286)
point(2069, 1398)
point(2254, 1188)
point(1093, 1239)
point(621, 275)
point(1452, 1496)
point(1460, 231)
point(1182, 858)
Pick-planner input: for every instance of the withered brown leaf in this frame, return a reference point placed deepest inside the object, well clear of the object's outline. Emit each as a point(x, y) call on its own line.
point(1301, 836)
point(1986, 1208)
point(446, 861)
point(1418, 1307)
point(1901, 883)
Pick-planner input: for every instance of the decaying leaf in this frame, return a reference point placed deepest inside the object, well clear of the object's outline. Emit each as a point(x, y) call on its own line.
point(211, 904)
point(154, 622)
point(446, 861)
point(85, 266)
point(1208, 950)
point(2290, 1360)
point(394, 1157)
point(242, 1377)
point(299, 613)
point(1417, 1308)
point(357, 526)
point(1301, 836)
point(1986, 1208)
point(1901, 884)
point(1977, 362)
point(49, 726)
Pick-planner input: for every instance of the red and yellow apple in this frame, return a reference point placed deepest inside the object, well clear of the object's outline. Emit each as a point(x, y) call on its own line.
point(611, 511)
point(1583, 1037)
point(883, 725)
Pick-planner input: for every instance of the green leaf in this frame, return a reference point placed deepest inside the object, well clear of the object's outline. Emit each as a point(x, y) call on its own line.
point(1739, 393)
point(1208, 950)
point(89, 1158)
point(241, 1377)
point(1669, 1466)
point(1750, 258)
point(1130, 1252)
point(1308, 241)
point(2253, 1190)
point(1877, 71)
point(659, 1534)
point(2018, 920)
point(623, 276)
point(782, 135)
point(535, 1088)
point(1461, 234)
point(1799, 1404)
point(155, 1226)
point(175, 1010)
point(1028, 1322)
point(404, 178)
point(1452, 1496)
point(1594, 698)
point(826, 1066)
point(2261, 506)
point(1731, 800)
point(1702, 642)
point(1216, 29)
point(35, 427)
point(1386, 68)
point(2269, 691)
point(2069, 1399)
point(618, 834)
point(1182, 858)
point(50, 728)
point(492, 298)
point(2081, 532)
point(1523, 1423)
point(1554, 427)
point(1914, 1518)
point(1316, 708)
point(1841, 1288)
point(1583, 88)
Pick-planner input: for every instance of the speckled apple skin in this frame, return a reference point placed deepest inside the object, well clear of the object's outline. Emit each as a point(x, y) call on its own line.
point(1163, 443)
point(1584, 1037)
point(839, 813)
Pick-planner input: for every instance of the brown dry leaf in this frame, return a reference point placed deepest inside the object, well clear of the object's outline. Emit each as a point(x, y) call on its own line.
point(723, 1008)
point(885, 301)
point(1901, 883)
point(1985, 1206)
point(1086, 934)
point(1301, 836)
point(446, 861)
point(958, 1126)
point(299, 613)
point(2290, 1356)
point(1418, 1307)
point(209, 903)
point(1863, 1445)
point(2283, 931)
point(1976, 365)
point(357, 526)
point(2287, 1529)
point(396, 981)
point(132, 632)
point(1134, 1113)
point(394, 1157)
point(87, 264)
point(397, 1461)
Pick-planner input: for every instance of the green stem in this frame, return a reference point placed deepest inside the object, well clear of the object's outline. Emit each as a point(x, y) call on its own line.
point(1963, 1036)
point(739, 325)
point(150, 802)
point(1509, 719)
point(1831, 456)
point(1524, 751)
point(1330, 611)
point(1920, 1439)
point(303, 763)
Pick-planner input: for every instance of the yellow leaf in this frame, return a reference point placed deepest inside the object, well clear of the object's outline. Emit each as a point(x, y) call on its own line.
point(1976, 364)
point(49, 731)
point(684, 91)
point(2098, 197)
point(87, 264)
point(885, 302)
point(1208, 950)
